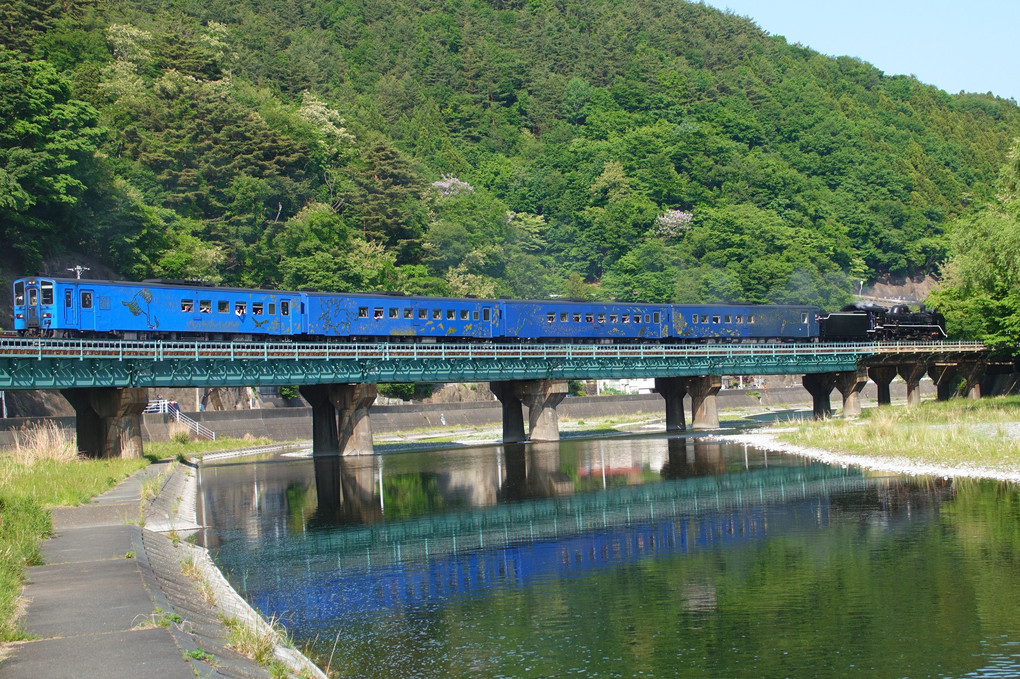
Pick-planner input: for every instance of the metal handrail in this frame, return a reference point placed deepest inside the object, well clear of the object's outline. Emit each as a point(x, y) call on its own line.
point(160, 350)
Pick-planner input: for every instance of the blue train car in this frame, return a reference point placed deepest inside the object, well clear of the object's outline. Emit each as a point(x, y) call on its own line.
point(584, 321)
point(743, 322)
point(356, 316)
point(87, 308)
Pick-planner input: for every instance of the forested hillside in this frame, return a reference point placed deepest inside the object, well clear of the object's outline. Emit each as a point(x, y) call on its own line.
point(648, 149)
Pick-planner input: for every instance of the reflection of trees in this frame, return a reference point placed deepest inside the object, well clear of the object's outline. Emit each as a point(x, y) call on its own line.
point(906, 576)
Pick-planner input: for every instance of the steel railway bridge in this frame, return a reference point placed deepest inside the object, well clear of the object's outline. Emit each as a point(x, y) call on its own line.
point(106, 381)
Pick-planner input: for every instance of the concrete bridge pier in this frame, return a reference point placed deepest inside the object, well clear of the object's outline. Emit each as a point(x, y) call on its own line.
point(673, 389)
point(108, 420)
point(324, 432)
point(943, 375)
point(513, 411)
point(820, 385)
point(340, 422)
point(704, 409)
point(541, 397)
point(850, 384)
point(882, 376)
point(972, 374)
point(354, 429)
point(912, 374)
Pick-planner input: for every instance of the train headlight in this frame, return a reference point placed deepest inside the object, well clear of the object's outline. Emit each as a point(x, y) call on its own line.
point(47, 315)
point(19, 316)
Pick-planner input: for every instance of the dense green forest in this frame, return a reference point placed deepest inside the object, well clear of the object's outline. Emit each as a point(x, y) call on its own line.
point(644, 150)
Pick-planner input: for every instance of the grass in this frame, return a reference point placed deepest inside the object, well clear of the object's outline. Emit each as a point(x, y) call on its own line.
point(959, 432)
point(260, 646)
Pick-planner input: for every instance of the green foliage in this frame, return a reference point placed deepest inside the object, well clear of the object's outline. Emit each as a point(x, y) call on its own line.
point(980, 291)
point(407, 391)
point(294, 144)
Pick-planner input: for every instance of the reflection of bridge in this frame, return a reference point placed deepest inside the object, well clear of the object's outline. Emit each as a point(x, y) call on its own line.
point(325, 576)
point(105, 381)
point(505, 524)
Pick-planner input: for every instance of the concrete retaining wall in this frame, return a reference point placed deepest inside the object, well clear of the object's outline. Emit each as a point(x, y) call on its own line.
point(288, 424)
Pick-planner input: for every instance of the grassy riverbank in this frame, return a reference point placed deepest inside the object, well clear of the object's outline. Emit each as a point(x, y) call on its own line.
point(959, 433)
point(45, 471)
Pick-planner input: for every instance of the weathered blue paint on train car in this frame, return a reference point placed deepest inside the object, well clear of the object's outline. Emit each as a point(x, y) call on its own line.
point(734, 322)
point(158, 310)
point(585, 320)
point(361, 315)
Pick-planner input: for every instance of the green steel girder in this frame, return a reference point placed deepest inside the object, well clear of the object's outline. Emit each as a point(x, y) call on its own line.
point(61, 365)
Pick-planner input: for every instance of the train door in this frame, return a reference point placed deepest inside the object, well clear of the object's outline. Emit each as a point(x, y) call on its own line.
point(32, 309)
point(86, 309)
point(70, 311)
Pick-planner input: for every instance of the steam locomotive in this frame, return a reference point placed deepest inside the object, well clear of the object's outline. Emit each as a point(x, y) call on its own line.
point(66, 307)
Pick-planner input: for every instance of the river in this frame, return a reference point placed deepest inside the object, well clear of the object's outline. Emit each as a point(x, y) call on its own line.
point(637, 556)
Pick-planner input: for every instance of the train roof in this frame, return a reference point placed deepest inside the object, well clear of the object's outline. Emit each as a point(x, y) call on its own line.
point(205, 285)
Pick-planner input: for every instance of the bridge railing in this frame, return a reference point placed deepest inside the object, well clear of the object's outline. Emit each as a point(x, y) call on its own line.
point(276, 351)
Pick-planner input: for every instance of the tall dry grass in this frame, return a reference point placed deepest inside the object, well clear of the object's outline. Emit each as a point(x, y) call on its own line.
point(43, 441)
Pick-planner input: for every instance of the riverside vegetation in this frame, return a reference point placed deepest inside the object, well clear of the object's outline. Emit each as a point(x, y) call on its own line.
point(43, 471)
point(959, 433)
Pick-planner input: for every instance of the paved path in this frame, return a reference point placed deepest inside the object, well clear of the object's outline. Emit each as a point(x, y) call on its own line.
point(95, 608)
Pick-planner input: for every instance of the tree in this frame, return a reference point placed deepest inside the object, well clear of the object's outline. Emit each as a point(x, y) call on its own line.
point(47, 140)
point(980, 290)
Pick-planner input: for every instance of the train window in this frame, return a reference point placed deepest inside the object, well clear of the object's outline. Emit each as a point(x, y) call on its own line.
point(626, 318)
point(550, 317)
point(19, 293)
point(86, 299)
point(257, 308)
point(727, 318)
point(222, 306)
point(205, 306)
point(577, 318)
point(187, 306)
point(648, 318)
point(750, 319)
point(362, 312)
point(740, 318)
point(451, 315)
point(803, 318)
point(285, 308)
point(393, 312)
point(408, 313)
point(656, 317)
point(715, 319)
point(47, 292)
point(564, 316)
point(589, 318)
point(704, 318)
point(33, 297)
point(240, 308)
point(464, 314)
point(68, 298)
point(423, 314)
point(486, 315)
point(602, 318)
point(437, 314)
point(614, 318)
point(377, 312)
point(474, 315)
point(272, 308)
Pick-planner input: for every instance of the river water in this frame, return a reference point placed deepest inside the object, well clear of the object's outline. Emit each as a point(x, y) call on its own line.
point(646, 556)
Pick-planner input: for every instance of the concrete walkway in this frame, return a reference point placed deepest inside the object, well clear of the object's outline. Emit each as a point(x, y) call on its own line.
point(112, 602)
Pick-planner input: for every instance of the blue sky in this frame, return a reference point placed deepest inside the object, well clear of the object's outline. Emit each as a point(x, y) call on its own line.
point(969, 45)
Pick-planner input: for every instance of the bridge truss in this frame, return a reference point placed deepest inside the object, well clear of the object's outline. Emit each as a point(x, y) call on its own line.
point(68, 364)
